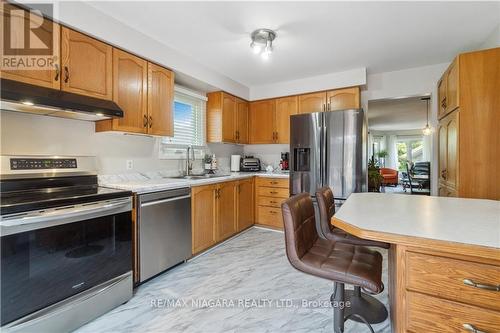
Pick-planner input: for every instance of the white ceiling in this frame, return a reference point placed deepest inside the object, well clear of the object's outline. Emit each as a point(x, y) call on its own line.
point(313, 38)
point(397, 114)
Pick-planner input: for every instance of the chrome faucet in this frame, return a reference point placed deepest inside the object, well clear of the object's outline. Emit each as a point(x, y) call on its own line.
point(189, 163)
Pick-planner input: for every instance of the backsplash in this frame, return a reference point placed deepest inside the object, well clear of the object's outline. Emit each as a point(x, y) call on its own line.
point(268, 154)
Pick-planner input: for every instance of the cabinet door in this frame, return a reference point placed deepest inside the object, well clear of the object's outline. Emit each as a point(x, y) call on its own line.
point(242, 121)
point(285, 107)
point(442, 96)
point(452, 150)
point(315, 102)
point(130, 85)
point(452, 87)
point(226, 212)
point(245, 203)
point(442, 137)
point(17, 19)
point(203, 217)
point(262, 121)
point(86, 65)
point(228, 118)
point(341, 99)
point(160, 101)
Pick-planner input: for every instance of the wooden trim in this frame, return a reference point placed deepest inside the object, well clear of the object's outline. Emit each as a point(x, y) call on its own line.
point(419, 242)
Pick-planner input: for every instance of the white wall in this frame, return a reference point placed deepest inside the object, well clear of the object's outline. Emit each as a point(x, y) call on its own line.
point(86, 18)
point(355, 77)
point(409, 82)
point(41, 135)
point(493, 39)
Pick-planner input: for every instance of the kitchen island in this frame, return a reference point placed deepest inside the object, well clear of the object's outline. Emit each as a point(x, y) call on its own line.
point(444, 260)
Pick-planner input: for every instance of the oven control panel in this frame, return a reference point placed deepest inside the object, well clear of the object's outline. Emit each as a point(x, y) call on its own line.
point(42, 163)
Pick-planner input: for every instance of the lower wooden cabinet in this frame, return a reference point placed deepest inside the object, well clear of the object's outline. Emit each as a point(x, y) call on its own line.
point(219, 211)
point(270, 193)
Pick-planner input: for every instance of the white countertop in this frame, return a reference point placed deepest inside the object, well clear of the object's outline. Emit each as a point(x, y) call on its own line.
point(468, 221)
point(140, 184)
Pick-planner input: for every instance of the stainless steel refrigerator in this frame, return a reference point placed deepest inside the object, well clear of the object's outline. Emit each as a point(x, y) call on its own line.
point(328, 149)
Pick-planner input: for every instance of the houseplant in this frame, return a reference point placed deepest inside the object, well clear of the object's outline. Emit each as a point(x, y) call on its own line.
point(381, 156)
point(374, 176)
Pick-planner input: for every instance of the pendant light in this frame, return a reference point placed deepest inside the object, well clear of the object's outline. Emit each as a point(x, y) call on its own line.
point(427, 130)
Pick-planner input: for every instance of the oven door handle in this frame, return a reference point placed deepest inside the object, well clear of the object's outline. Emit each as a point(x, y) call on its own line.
point(53, 217)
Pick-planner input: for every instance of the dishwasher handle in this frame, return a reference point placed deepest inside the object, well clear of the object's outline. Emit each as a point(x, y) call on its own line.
point(157, 202)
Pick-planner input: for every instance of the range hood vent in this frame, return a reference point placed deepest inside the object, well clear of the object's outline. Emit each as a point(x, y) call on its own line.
point(28, 98)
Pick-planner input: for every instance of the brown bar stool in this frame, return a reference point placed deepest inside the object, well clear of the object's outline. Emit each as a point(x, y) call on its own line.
point(336, 261)
point(369, 307)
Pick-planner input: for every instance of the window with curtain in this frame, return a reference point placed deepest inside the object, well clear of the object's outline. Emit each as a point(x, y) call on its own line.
point(189, 126)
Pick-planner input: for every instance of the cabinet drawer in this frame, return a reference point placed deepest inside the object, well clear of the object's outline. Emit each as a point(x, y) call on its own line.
point(430, 314)
point(271, 202)
point(273, 182)
point(273, 192)
point(444, 277)
point(269, 216)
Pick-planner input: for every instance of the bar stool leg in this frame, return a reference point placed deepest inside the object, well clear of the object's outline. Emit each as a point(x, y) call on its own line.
point(371, 309)
point(338, 311)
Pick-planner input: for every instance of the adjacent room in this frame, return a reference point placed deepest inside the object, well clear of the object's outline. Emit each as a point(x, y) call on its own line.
point(249, 166)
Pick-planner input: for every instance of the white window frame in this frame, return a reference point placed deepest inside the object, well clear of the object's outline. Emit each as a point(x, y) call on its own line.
point(174, 151)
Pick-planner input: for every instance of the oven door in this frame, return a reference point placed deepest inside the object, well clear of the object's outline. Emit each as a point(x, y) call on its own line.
point(50, 255)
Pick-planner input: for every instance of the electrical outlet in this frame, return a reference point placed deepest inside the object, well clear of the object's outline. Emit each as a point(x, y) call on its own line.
point(130, 164)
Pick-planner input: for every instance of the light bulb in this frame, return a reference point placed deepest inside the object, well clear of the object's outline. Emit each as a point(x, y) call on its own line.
point(256, 48)
point(426, 130)
point(265, 55)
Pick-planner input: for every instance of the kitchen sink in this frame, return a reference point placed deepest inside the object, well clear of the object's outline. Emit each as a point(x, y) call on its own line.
point(206, 176)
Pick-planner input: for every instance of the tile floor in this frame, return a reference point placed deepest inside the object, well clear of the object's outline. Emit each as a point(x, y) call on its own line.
point(244, 285)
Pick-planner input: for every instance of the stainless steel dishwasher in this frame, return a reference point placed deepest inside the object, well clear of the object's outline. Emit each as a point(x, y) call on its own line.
point(164, 222)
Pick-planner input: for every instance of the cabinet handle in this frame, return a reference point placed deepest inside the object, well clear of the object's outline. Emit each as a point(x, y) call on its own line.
point(276, 136)
point(273, 202)
point(272, 212)
point(150, 121)
point(57, 72)
point(145, 121)
point(471, 283)
point(444, 173)
point(273, 192)
point(216, 192)
point(471, 328)
point(328, 108)
point(274, 183)
point(66, 74)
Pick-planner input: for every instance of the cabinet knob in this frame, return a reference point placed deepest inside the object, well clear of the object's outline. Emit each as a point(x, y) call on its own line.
point(66, 74)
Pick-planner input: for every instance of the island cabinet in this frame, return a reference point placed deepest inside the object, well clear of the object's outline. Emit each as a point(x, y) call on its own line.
point(332, 100)
point(219, 211)
point(270, 120)
point(227, 118)
point(17, 18)
point(270, 194)
point(469, 126)
point(86, 65)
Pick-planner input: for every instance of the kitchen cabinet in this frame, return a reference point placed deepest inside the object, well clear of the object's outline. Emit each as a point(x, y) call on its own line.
point(262, 121)
point(313, 102)
point(86, 65)
point(245, 195)
point(285, 107)
point(17, 19)
point(130, 87)
point(468, 158)
point(271, 193)
point(341, 99)
point(226, 210)
point(203, 216)
point(227, 118)
point(332, 100)
point(160, 101)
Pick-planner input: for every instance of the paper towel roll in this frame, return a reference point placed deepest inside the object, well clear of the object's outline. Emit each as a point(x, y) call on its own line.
point(235, 163)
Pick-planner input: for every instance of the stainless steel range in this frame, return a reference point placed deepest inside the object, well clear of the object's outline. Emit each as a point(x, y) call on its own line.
point(66, 243)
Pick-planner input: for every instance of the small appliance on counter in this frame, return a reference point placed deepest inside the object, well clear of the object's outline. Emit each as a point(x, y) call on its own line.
point(250, 164)
point(235, 163)
point(284, 161)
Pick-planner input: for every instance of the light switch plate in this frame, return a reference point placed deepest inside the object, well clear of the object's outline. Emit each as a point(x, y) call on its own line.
point(130, 164)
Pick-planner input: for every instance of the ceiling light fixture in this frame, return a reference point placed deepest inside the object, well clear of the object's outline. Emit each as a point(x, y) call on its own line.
point(262, 42)
point(427, 130)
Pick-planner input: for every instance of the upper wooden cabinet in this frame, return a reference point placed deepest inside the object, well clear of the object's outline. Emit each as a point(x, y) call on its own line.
point(341, 99)
point(285, 107)
point(448, 90)
point(314, 102)
point(333, 100)
point(160, 100)
point(262, 121)
point(17, 19)
point(227, 118)
point(86, 65)
point(470, 126)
